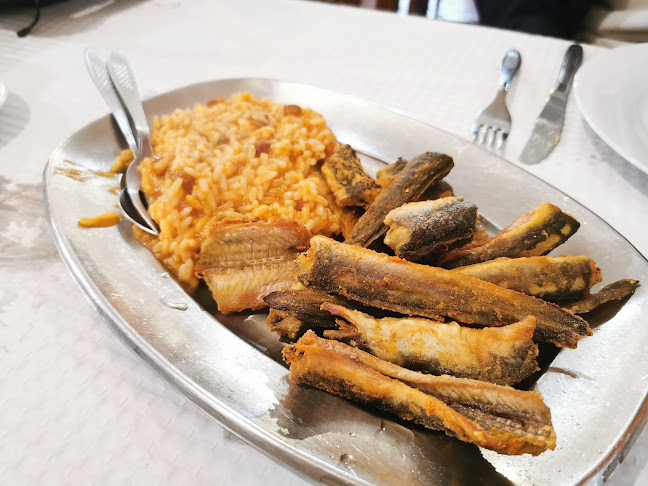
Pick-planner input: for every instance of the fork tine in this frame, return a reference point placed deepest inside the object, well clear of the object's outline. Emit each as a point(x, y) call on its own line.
point(490, 138)
point(501, 139)
point(475, 132)
point(483, 130)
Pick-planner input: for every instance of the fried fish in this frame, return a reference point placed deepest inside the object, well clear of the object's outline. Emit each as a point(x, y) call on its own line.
point(496, 417)
point(561, 278)
point(531, 234)
point(384, 175)
point(504, 355)
point(241, 262)
point(407, 186)
point(350, 184)
point(391, 283)
point(618, 290)
point(437, 190)
point(428, 227)
point(293, 311)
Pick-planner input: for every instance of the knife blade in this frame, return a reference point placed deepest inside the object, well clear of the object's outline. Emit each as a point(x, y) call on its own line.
point(548, 127)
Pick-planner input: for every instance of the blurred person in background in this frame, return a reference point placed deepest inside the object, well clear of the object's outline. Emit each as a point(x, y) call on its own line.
point(605, 22)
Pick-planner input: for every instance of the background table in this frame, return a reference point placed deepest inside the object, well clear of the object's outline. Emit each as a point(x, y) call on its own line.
point(76, 405)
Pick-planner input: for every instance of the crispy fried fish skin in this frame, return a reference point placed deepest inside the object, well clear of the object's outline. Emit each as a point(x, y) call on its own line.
point(550, 278)
point(394, 284)
point(293, 311)
point(420, 228)
point(615, 291)
point(384, 175)
point(496, 417)
point(244, 261)
point(344, 174)
point(437, 190)
point(407, 186)
point(531, 234)
point(286, 324)
point(348, 219)
point(304, 303)
point(503, 355)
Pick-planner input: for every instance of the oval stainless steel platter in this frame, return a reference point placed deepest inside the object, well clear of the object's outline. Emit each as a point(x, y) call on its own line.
point(230, 366)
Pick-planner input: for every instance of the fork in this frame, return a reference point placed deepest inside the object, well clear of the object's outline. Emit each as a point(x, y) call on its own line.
point(493, 125)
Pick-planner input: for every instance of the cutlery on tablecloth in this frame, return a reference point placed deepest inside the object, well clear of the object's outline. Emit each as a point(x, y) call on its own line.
point(493, 125)
point(111, 87)
point(548, 127)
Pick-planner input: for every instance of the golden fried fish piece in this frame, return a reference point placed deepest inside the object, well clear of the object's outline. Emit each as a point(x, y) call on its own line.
point(242, 262)
point(561, 278)
point(391, 283)
point(407, 186)
point(531, 234)
point(503, 355)
point(422, 228)
point(350, 184)
point(492, 416)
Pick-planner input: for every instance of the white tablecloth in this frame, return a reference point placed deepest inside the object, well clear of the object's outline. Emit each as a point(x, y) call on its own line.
point(76, 406)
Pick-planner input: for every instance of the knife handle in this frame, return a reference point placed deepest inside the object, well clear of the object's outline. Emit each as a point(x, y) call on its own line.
point(571, 63)
point(510, 65)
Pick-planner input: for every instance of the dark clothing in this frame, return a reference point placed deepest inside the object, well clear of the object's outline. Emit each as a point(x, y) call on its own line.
point(555, 18)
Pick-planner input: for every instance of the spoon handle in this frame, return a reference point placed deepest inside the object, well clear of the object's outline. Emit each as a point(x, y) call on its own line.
point(97, 67)
point(123, 78)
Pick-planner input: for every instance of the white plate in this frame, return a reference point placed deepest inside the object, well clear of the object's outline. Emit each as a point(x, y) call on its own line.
point(612, 95)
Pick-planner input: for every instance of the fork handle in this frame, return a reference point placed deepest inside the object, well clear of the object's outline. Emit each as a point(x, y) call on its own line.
point(510, 65)
point(570, 64)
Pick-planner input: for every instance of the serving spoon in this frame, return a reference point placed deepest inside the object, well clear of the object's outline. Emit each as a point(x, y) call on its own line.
point(132, 201)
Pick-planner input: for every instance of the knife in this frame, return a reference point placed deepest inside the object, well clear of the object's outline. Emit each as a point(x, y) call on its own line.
point(548, 127)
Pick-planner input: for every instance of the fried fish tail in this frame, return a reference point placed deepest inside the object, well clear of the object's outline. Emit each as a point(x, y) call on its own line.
point(428, 227)
point(391, 283)
point(561, 278)
point(496, 417)
point(504, 355)
point(618, 290)
point(406, 186)
point(532, 234)
point(241, 262)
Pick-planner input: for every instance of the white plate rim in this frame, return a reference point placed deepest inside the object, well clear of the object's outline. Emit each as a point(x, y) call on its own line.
point(582, 79)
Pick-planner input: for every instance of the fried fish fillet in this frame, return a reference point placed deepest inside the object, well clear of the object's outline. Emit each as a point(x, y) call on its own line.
point(378, 280)
point(496, 417)
point(503, 355)
point(561, 278)
point(428, 227)
point(241, 262)
point(531, 234)
point(350, 184)
point(618, 290)
point(407, 186)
